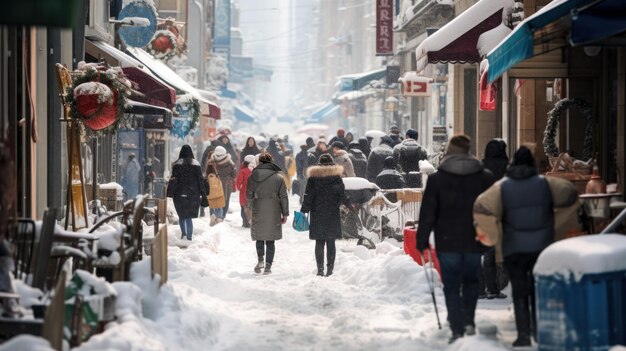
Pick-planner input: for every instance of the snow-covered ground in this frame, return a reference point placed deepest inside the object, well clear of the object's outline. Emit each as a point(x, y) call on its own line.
point(376, 299)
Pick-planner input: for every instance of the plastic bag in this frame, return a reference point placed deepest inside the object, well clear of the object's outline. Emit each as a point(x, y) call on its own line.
point(300, 221)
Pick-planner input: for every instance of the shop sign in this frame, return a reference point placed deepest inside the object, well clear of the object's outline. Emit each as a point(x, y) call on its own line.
point(384, 27)
point(414, 85)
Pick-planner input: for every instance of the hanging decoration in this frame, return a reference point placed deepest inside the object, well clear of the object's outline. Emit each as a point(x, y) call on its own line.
point(549, 135)
point(188, 110)
point(167, 41)
point(97, 97)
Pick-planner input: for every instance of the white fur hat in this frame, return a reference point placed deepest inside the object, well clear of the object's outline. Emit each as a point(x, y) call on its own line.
point(219, 151)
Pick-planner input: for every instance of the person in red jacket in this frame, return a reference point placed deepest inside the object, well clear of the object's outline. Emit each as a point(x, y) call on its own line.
point(241, 183)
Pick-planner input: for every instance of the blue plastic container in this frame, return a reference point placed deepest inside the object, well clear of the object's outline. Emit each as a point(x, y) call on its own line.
point(589, 314)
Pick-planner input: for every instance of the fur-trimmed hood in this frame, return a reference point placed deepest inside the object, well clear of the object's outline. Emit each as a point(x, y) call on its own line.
point(324, 171)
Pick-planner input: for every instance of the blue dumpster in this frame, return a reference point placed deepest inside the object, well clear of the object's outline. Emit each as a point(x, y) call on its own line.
point(581, 294)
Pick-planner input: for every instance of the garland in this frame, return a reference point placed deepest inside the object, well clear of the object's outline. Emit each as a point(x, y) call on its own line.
point(549, 135)
point(112, 79)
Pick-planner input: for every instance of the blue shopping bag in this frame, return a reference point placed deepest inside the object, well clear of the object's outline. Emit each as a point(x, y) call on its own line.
point(300, 221)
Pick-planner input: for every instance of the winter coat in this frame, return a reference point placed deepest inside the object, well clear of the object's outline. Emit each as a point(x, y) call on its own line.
point(313, 156)
point(266, 196)
point(407, 155)
point(188, 187)
point(277, 155)
point(302, 163)
point(241, 184)
point(448, 202)
point(376, 161)
point(227, 172)
point(397, 139)
point(359, 162)
point(489, 210)
point(249, 150)
point(343, 140)
point(323, 195)
point(495, 158)
point(364, 146)
point(343, 159)
point(390, 178)
point(229, 148)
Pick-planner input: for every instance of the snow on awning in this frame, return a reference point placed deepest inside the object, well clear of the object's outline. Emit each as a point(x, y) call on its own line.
point(353, 95)
point(155, 91)
point(358, 81)
point(456, 42)
point(316, 116)
point(519, 45)
point(244, 114)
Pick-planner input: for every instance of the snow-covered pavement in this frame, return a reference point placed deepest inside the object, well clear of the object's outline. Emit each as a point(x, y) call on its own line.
point(376, 299)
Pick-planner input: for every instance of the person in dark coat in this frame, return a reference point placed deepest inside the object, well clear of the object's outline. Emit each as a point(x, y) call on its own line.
point(377, 158)
point(394, 134)
point(324, 193)
point(364, 146)
point(266, 197)
point(314, 154)
point(302, 162)
point(188, 189)
point(250, 149)
point(390, 178)
point(277, 155)
point(527, 229)
point(341, 136)
point(447, 209)
point(227, 173)
point(496, 161)
point(407, 154)
point(359, 160)
point(309, 143)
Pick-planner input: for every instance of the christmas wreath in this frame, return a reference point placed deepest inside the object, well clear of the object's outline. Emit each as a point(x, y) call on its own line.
point(549, 135)
point(188, 109)
point(97, 97)
point(163, 45)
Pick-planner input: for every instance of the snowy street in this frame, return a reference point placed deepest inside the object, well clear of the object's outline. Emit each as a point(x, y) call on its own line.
point(375, 300)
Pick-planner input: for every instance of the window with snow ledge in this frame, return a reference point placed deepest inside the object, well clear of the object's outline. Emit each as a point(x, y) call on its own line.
point(97, 25)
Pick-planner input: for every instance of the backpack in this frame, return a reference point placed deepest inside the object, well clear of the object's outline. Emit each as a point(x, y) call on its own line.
point(216, 192)
point(408, 159)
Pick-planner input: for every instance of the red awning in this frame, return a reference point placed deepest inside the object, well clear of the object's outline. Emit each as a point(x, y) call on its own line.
point(456, 42)
point(215, 111)
point(155, 92)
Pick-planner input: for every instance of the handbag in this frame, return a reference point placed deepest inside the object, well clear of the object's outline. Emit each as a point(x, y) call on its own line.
point(300, 221)
point(204, 201)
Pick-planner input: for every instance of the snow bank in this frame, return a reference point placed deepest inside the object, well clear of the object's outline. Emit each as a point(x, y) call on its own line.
point(112, 186)
point(26, 342)
point(477, 342)
point(128, 299)
point(357, 183)
point(91, 282)
point(28, 295)
point(583, 255)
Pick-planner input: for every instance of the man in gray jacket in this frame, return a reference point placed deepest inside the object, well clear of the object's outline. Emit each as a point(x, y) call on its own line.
point(407, 155)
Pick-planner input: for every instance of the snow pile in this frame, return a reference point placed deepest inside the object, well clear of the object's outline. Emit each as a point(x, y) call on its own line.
point(128, 299)
point(28, 295)
point(93, 285)
point(476, 342)
point(583, 255)
point(357, 183)
point(26, 342)
point(491, 38)
point(112, 186)
point(109, 236)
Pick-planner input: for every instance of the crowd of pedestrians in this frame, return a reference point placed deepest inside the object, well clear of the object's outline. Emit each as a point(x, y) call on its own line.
point(483, 214)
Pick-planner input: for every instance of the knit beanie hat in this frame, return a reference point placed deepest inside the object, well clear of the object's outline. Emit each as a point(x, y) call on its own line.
point(249, 159)
point(459, 144)
point(265, 158)
point(219, 151)
point(394, 130)
point(326, 160)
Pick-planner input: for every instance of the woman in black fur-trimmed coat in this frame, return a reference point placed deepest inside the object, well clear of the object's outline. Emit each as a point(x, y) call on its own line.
point(324, 193)
point(188, 188)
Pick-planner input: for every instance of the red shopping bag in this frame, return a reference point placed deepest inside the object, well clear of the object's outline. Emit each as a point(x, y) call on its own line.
point(410, 241)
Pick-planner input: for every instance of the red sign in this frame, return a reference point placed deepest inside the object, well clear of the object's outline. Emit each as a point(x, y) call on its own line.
point(384, 27)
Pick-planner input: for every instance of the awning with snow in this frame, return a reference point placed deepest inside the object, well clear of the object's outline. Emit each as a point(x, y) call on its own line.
point(456, 42)
point(358, 81)
point(153, 90)
point(244, 114)
point(599, 23)
point(326, 114)
point(520, 44)
point(317, 114)
point(352, 95)
point(151, 117)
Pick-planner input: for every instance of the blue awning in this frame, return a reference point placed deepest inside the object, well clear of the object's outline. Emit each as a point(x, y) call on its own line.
point(243, 114)
point(227, 93)
point(597, 22)
point(317, 114)
point(519, 45)
point(330, 114)
point(360, 80)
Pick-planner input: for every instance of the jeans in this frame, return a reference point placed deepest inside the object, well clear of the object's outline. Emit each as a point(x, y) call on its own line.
point(186, 226)
point(218, 212)
point(260, 250)
point(459, 273)
point(226, 202)
point(330, 252)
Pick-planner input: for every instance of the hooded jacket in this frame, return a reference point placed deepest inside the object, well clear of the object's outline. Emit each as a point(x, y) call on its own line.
point(376, 160)
point(448, 203)
point(496, 159)
point(266, 196)
point(364, 146)
point(323, 195)
point(359, 161)
point(407, 155)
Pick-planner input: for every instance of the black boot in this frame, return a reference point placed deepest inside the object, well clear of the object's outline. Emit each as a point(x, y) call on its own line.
point(320, 269)
point(268, 268)
point(522, 322)
point(259, 265)
point(329, 269)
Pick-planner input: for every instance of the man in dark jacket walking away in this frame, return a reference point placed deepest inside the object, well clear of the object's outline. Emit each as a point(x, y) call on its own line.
point(266, 197)
point(447, 209)
point(496, 161)
point(364, 146)
point(359, 160)
point(377, 158)
point(341, 136)
point(314, 154)
point(324, 193)
point(390, 178)
point(407, 155)
point(394, 134)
